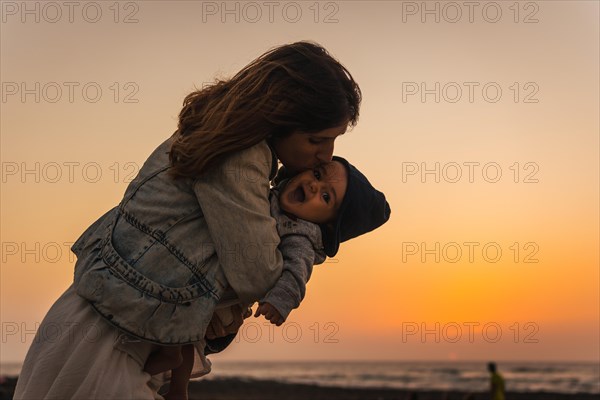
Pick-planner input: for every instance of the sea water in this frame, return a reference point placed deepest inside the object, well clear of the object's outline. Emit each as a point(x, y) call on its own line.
point(557, 377)
point(462, 376)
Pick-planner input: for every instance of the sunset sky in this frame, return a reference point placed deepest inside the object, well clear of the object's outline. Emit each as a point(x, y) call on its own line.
point(512, 215)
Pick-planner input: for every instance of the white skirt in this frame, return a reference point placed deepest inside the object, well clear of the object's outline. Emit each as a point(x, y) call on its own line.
point(76, 354)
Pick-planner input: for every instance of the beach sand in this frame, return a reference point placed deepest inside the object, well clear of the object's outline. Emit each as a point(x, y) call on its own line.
point(234, 389)
point(242, 389)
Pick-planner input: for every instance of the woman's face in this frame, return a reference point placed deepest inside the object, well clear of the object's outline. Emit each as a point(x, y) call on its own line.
point(301, 150)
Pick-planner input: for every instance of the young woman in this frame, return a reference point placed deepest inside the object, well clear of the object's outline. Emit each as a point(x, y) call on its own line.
point(193, 228)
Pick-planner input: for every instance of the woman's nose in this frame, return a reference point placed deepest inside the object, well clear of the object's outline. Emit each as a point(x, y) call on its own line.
point(325, 153)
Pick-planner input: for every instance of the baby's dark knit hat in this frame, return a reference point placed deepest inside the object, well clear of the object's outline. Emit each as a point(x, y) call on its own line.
point(363, 209)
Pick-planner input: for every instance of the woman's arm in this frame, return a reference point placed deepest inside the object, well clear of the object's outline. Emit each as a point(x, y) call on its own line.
point(234, 198)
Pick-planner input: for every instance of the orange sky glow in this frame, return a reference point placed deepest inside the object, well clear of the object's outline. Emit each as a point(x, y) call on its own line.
point(492, 249)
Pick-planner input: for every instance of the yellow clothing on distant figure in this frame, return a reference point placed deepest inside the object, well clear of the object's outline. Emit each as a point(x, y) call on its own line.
point(497, 386)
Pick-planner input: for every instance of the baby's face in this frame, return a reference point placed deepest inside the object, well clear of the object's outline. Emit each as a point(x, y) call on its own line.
point(315, 195)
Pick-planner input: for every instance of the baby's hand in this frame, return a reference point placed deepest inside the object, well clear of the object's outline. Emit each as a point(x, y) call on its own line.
point(270, 313)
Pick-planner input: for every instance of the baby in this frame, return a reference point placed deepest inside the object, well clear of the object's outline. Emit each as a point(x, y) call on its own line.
point(315, 210)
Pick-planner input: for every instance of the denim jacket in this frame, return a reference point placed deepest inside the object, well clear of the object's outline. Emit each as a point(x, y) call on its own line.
point(157, 264)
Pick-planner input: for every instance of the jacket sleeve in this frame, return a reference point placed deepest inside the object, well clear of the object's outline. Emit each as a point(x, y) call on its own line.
point(302, 247)
point(234, 197)
point(299, 257)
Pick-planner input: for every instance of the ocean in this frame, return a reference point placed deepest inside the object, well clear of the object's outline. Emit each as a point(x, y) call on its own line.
point(557, 377)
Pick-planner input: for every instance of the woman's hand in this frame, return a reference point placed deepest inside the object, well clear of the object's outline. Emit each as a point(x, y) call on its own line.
point(217, 329)
point(270, 313)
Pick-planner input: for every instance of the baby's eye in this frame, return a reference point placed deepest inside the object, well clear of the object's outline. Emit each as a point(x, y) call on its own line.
point(326, 197)
point(317, 174)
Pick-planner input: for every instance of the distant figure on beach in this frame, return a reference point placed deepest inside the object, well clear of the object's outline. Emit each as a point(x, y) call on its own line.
point(496, 383)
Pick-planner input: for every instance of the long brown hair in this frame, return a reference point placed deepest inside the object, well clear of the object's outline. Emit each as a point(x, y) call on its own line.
point(297, 86)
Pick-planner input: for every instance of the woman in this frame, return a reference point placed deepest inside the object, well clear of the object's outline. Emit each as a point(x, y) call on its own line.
point(194, 228)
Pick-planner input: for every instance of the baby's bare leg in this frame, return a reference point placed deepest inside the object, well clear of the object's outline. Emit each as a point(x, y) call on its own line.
point(164, 359)
point(180, 376)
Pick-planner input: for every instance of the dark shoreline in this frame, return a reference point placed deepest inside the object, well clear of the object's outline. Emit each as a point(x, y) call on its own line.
point(248, 389)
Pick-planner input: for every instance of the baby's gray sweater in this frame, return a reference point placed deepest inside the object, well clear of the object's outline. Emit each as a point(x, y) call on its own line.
point(301, 247)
